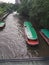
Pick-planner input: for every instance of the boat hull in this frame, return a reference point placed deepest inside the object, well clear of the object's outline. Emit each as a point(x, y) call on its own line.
point(44, 37)
point(32, 42)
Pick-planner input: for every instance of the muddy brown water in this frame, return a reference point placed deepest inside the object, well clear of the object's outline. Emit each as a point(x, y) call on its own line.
point(13, 44)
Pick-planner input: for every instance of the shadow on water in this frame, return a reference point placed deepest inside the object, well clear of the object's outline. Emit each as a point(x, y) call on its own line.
point(32, 47)
point(33, 50)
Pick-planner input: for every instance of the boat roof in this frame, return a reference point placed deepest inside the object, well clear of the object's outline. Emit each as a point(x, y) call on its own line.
point(45, 32)
point(27, 23)
point(30, 31)
point(2, 23)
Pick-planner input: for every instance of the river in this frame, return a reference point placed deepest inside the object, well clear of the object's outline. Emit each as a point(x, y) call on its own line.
point(13, 44)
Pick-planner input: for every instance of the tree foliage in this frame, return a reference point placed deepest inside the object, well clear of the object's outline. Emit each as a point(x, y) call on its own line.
point(36, 9)
point(6, 7)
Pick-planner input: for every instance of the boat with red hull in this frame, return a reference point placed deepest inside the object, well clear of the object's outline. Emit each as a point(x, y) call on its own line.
point(31, 35)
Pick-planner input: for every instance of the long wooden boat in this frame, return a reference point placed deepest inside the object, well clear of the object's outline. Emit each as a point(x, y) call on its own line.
point(2, 24)
point(31, 36)
point(45, 34)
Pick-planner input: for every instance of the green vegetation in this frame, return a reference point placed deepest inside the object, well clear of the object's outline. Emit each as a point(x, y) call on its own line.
point(7, 7)
point(36, 10)
point(1, 11)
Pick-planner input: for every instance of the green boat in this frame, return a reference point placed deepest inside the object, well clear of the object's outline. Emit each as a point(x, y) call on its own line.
point(45, 32)
point(2, 24)
point(30, 31)
point(31, 36)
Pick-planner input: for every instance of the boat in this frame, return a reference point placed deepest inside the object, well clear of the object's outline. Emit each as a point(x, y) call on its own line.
point(2, 24)
point(45, 34)
point(30, 34)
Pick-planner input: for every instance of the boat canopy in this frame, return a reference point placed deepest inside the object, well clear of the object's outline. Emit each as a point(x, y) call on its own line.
point(45, 32)
point(27, 23)
point(1, 24)
point(30, 31)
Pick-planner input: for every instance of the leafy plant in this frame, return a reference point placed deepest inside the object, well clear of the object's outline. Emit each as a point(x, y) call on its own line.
point(37, 10)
